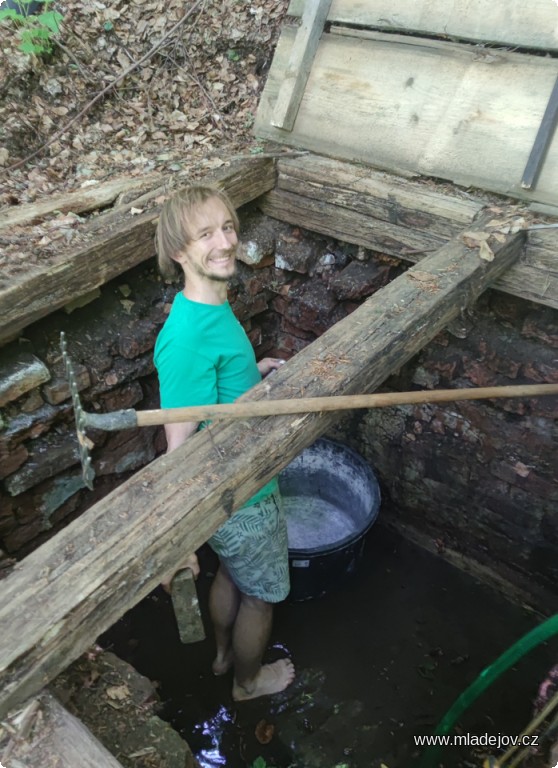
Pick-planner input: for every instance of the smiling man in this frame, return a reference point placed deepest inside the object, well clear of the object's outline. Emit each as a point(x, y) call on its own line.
point(203, 356)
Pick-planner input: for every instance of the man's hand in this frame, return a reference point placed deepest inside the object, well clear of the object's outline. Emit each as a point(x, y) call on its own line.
point(269, 364)
point(190, 562)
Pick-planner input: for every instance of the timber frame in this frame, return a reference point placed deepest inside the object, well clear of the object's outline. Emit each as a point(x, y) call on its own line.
point(74, 587)
point(80, 582)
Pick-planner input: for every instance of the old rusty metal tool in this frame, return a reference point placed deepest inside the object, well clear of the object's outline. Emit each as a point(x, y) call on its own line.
point(542, 141)
point(129, 418)
point(186, 607)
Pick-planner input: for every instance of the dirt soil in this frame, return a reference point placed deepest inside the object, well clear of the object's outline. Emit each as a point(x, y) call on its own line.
point(71, 118)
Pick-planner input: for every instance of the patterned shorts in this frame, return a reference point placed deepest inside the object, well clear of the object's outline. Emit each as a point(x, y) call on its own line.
point(253, 547)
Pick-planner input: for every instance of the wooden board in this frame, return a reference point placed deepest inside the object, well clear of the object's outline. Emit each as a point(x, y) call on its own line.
point(40, 291)
point(79, 201)
point(76, 585)
point(532, 24)
point(300, 63)
point(423, 107)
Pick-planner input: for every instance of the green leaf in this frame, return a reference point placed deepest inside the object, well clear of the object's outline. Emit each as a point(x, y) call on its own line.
point(233, 55)
point(108, 26)
point(28, 47)
point(259, 762)
point(50, 19)
point(10, 13)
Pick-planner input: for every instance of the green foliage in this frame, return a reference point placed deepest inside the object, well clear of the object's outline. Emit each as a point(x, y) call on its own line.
point(35, 32)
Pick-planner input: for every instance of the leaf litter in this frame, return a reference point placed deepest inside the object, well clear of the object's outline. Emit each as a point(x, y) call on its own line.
point(183, 112)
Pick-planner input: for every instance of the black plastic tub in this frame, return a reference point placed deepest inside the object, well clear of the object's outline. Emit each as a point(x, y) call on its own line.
point(331, 498)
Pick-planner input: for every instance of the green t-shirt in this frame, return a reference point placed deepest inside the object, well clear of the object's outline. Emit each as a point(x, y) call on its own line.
point(203, 356)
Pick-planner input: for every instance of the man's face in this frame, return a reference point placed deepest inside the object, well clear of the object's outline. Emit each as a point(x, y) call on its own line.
point(211, 252)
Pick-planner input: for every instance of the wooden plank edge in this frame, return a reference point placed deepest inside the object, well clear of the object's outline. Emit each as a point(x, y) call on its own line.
point(373, 16)
point(300, 63)
point(78, 201)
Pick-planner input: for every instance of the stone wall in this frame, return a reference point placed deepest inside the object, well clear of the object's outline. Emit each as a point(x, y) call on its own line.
point(476, 478)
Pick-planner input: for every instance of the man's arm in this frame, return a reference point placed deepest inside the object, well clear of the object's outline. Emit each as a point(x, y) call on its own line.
point(178, 433)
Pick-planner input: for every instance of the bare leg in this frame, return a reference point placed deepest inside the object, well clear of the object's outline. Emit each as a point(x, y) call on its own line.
point(251, 632)
point(224, 600)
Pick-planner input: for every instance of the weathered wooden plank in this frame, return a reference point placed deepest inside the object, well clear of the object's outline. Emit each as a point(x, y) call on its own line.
point(46, 289)
point(436, 109)
point(529, 278)
point(58, 740)
point(78, 201)
point(508, 22)
point(348, 225)
point(541, 250)
point(78, 583)
point(300, 63)
point(530, 283)
point(414, 204)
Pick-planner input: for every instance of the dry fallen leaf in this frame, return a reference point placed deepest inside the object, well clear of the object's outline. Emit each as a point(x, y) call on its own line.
point(264, 732)
point(474, 239)
point(423, 277)
point(486, 252)
point(118, 692)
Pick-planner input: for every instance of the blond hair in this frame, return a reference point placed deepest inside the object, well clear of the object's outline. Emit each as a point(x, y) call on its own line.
point(172, 234)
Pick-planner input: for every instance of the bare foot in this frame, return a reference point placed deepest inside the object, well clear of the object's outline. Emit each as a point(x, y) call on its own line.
point(222, 663)
point(272, 678)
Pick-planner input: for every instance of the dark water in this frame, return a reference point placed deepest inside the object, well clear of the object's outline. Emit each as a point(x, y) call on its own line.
point(378, 661)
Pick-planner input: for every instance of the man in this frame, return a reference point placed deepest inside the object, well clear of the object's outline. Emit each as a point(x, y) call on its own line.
point(203, 356)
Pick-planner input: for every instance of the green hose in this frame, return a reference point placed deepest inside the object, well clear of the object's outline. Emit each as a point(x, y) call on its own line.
point(519, 649)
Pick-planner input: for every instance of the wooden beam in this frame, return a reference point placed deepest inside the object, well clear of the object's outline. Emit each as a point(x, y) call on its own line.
point(300, 63)
point(400, 217)
point(38, 292)
point(78, 201)
point(56, 739)
point(76, 585)
point(508, 22)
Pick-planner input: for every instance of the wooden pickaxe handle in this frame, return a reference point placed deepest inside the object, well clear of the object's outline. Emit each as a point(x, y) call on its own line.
point(246, 409)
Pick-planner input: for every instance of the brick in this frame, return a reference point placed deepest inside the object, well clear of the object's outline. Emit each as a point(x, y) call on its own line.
point(359, 280)
point(255, 336)
point(11, 460)
point(541, 328)
point(257, 240)
point(62, 488)
point(30, 425)
point(136, 339)
point(47, 459)
point(290, 345)
point(20, 372)
point(58, 390)
point(125, 451)
point(123, 397)
point(296, 255)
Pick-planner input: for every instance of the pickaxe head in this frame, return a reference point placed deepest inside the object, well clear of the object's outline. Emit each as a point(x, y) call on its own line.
point(84, 443)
